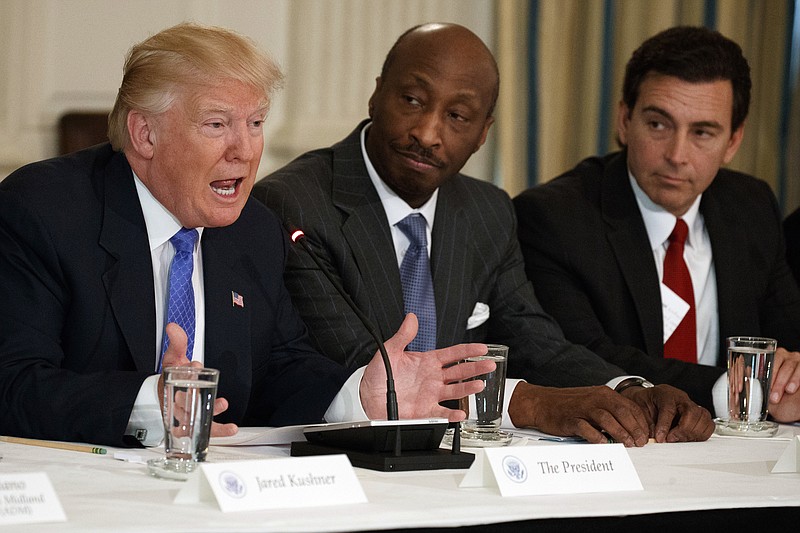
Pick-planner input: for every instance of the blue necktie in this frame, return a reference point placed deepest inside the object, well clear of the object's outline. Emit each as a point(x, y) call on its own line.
point(180, 306)
point(415, 275)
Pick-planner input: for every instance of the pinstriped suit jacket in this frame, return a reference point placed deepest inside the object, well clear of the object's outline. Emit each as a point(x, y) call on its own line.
point(475, 257)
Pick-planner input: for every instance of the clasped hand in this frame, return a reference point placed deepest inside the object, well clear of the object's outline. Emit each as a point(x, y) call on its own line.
point(663, 413)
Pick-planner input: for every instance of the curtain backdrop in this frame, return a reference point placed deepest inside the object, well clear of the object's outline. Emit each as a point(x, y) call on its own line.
point(562, 63)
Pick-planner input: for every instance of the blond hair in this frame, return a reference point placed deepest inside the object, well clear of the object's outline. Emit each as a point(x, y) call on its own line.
point(183, 56)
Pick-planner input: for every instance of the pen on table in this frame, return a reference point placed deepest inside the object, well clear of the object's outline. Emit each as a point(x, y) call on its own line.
point(53, 444)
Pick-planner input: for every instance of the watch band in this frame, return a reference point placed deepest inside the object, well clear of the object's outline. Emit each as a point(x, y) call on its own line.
point(632, 382)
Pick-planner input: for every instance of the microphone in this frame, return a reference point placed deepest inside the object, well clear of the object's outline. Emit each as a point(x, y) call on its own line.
point(378, 445)
point(298, 236)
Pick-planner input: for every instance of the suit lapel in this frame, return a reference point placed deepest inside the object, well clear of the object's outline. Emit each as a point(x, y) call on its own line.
point(450, 267)
point(367, 232)
point(724, 233)
point(128, 280)
point(228, 327)
point(628, 237)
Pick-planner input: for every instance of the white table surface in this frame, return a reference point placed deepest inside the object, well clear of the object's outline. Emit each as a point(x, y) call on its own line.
point(99, 493)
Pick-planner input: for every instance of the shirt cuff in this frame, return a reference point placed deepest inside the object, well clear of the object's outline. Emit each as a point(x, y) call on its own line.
point(146, 423)
point(617, 380)
point(511, 384)
point(719, 393)
point(346, 405)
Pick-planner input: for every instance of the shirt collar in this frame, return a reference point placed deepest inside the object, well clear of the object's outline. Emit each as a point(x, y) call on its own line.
point(659, 222)
point(160, 223)
point(396, 208)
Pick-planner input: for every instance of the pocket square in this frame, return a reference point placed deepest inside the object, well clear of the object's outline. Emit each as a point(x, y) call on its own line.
point(479, 315)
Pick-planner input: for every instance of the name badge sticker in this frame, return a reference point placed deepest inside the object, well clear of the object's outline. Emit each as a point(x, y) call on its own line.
point(673, 309)
point(28, 498)
point(567, 469)
point(275, 483)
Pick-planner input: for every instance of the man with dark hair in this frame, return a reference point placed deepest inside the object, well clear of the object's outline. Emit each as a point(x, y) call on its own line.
point(602, 243)
point(430, 111)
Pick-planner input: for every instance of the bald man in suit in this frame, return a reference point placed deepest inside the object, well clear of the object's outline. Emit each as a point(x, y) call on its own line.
point(430, 111)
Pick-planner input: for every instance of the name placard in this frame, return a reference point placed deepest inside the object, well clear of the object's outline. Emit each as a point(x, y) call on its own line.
point(28, 498)
point(275, 483)
point(789, 461)
point(572, 468)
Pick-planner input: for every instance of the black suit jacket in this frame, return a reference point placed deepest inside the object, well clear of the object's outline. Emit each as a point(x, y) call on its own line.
point(791, 232)
point(588, 255)
point(77, 312)
point(475, 257)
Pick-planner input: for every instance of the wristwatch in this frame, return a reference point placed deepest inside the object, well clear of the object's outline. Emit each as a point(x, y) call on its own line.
point(627, 383)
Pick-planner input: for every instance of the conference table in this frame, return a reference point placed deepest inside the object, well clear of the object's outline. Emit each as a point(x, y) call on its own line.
point(725, 483)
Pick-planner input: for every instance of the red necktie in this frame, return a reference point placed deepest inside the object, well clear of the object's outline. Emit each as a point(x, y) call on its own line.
point(682, 344)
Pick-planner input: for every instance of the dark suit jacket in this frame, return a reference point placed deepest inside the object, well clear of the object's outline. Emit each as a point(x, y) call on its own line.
point(791, 232)
point(77, 315)
point(475, 257)
point(587, 252)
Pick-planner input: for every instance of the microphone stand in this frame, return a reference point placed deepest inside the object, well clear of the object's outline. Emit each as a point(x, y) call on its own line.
point(423, 433)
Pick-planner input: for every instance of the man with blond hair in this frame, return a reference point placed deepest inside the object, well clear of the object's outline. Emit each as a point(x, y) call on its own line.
point(147, 252)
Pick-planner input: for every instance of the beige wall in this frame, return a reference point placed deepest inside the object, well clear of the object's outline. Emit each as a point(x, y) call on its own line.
point(63, 55)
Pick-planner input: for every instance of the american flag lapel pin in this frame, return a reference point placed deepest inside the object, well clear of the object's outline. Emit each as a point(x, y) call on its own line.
point(237, 298)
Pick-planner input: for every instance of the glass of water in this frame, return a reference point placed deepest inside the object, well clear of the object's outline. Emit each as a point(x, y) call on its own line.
point(188, 408)
point(750, 361)
point(485, 409)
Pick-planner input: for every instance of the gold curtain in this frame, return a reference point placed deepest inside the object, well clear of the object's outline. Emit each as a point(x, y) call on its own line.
point(570, 63)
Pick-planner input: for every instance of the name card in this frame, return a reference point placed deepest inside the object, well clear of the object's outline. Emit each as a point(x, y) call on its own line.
point(789, 460)
point(28, 498)
point(567, 469)
point(275, 483)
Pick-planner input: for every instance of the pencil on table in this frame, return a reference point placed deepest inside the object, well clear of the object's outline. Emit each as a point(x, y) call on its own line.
point(53, 444)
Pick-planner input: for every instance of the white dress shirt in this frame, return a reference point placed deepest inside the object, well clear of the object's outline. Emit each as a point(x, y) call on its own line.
point(699, 259)
point(146, 414)
point(697, 253)
point(396, 210)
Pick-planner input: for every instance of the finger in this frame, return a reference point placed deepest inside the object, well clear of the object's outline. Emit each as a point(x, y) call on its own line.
point(223, 430)
point(695, 424)
point(220, 406)
point(404, 335)
point(704, 427)
point(739, 374)
point(176, 351)
point(635, 415)
point(667, 410)
point(590, 433)
point(459, 352)
point(623, 423)
point(793, 383)
point(455, 391)
point(785, 374)
point(781, 372)
point(621, 419)
point(464, 371)
point(452, 415)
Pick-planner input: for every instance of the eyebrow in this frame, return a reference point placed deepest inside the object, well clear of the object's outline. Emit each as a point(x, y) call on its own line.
point(464, 95)
point(708, 124)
